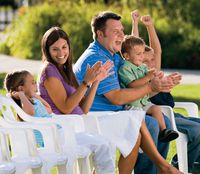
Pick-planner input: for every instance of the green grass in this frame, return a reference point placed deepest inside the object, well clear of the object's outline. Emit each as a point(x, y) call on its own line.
point(188, 93)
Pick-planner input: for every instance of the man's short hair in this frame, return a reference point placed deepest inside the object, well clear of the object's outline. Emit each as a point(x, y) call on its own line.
point(129, 42)
point(99, 21)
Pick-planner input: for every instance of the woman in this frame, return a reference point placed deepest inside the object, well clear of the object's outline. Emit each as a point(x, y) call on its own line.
point(58, 86)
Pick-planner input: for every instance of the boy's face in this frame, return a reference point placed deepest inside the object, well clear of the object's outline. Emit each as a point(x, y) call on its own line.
point(136, 55)
point(149, 59)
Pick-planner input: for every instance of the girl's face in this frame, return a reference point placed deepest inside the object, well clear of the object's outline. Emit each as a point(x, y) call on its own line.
point(29, 86)
point(136, 55)
point(59, 51)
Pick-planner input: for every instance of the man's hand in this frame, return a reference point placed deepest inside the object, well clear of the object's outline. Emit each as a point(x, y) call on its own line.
point(175, 77)
point(166, 83)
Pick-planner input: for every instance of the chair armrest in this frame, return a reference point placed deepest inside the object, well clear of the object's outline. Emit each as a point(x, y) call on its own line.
point(99, 113)
point(190, 107)
point(91, 124)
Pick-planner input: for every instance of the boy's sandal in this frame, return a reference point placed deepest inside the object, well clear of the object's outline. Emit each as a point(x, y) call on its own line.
point(167, 135)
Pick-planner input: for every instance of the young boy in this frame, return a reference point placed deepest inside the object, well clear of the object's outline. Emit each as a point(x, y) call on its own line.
point(134, 74)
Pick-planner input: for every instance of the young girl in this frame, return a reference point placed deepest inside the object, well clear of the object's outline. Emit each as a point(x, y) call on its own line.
point(22, 88)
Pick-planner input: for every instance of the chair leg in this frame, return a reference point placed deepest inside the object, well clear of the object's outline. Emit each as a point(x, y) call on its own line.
point(37, 171)
point(62, 169)
point(181, 144)
point(84, 165)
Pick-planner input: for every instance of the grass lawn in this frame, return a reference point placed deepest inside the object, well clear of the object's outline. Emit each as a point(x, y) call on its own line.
point(180, 93)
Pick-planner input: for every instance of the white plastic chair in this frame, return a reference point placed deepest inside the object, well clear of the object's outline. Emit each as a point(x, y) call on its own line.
point(21, 151)
point(6, 165)
point(49, 154)
point(182, 140)
point(78, 154)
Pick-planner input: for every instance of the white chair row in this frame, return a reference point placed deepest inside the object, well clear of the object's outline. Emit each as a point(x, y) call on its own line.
point(77, 124)
point(181, 142)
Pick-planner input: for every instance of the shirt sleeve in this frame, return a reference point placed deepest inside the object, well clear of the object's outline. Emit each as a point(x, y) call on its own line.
point(126, 75)
point(52, 71)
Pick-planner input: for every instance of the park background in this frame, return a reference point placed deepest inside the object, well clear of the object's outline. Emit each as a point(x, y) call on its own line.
point(177, 24)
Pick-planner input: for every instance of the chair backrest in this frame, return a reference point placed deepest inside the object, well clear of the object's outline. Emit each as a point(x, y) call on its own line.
point(190, 107)
point(19, 140)
point(10, 109)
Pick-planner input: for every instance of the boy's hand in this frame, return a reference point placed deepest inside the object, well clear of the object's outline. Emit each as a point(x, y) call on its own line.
point(135, 15)
point(146, 20)
point(161, 85)
point(151, 73)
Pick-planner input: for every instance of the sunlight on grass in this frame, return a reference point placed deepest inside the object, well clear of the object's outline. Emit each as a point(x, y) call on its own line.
point(187, 91)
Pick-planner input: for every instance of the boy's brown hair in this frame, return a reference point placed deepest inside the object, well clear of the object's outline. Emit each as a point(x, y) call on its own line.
point(129, 42)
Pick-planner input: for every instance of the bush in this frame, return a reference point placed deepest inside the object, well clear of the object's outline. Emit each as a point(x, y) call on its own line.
point(26, 31)
point(2, 76)
point(180, 40)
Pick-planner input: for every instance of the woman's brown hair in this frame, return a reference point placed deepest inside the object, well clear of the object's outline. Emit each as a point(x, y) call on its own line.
point(49, 38)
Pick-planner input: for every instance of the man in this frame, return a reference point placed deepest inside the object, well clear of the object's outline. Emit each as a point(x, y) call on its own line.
point(108, 35)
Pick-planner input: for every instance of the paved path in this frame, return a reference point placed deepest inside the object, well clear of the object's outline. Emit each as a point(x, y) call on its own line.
point(8, 64)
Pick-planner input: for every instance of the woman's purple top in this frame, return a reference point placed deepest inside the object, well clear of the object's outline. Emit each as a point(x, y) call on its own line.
point(52, 71)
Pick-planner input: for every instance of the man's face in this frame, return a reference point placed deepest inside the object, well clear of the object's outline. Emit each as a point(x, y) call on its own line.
point(112, 36)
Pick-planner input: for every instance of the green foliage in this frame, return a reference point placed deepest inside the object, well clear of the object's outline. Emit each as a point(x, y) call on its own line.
point(4, 48)
point(26, 31)
point(2, 76)
point(177, 28)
